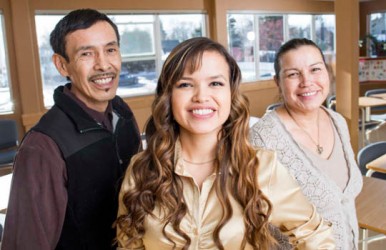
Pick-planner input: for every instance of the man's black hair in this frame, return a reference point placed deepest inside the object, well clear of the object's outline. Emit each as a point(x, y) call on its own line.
point(73, 21)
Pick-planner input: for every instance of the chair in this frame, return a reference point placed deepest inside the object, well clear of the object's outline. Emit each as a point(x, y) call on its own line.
point(366, 155)
point(369, 125)
point(331, 102)
point(8, 142)
point(375, 120)
point(369, 153)
point(273, 106)
point(379, 109)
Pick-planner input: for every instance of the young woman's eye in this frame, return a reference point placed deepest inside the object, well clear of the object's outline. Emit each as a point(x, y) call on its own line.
point(217, 84)
point(183, 85)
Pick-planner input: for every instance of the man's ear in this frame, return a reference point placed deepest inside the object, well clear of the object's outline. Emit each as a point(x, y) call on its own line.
point(60, 64)
point(276, 80)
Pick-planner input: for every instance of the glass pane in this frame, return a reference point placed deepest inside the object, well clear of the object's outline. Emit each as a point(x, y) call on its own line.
point(136, 33)
point(139, 45)
point(138, 51)
point(177, 28)
point(299, 26)
point(271, 38)
point(50, 76)
point(377, 42)
point(325, 33)
point(241, 44)
point(137, 77)
point(6, 104)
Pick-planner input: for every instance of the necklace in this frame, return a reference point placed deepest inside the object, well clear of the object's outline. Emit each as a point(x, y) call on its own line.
point(319, 148)
point(198, 163)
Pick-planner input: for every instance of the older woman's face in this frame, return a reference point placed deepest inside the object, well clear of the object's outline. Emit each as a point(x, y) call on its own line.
point(304, 81)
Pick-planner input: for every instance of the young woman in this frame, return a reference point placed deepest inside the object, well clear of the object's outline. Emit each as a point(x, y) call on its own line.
point(200, 184)
point(312, 142)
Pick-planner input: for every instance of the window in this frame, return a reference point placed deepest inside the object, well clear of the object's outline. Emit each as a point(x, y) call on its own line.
point(377, 38)
point(6, 103)
point(253, 39)
point(146, 41)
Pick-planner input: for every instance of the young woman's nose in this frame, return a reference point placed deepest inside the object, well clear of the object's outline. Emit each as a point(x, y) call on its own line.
point(200, 94)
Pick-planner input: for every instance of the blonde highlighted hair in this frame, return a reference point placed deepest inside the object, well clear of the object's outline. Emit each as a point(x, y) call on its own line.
point(153, 172)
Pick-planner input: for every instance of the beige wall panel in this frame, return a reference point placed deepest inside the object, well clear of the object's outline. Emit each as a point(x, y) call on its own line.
point(347, 58)
point(260, 96)
point(141, 107)
point(120, 4)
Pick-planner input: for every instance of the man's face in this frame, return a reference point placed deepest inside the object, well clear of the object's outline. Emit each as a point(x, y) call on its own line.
point(94, 64)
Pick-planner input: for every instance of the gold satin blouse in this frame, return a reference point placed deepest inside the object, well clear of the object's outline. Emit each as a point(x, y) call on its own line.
point(292, 213)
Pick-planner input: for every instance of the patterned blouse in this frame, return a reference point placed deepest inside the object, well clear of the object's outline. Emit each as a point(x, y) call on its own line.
point(332, 203)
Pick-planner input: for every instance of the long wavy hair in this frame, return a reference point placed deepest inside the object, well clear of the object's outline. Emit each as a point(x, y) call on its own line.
point(156, 184)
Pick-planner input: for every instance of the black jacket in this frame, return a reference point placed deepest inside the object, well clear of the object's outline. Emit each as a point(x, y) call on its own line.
point(96, 160)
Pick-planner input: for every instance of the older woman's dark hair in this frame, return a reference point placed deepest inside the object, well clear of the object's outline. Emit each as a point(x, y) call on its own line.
point(291, 45)
point(73, 21)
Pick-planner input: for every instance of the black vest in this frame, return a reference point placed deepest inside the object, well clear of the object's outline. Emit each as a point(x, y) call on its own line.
point(96, 160)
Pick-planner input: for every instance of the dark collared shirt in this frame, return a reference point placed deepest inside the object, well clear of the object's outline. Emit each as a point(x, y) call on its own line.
point(103, 118)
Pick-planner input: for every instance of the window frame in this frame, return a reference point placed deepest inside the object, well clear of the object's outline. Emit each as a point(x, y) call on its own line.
point(156, 35)
point(285, 15)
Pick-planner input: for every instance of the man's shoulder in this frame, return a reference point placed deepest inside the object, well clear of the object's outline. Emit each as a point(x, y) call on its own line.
point(36, 140)
point(50, 119)
point(121, 107)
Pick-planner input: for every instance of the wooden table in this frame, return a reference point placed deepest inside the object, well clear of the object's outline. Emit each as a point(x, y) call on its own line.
point(365, 103)
point(377, 165)
point(371, 208)
point(382, 95)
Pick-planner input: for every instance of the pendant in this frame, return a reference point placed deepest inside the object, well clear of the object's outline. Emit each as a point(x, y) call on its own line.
point(319, 149)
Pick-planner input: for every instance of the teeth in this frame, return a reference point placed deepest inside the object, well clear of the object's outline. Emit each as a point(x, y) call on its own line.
point(202, 111)
point(309, 93)
point(103, 80)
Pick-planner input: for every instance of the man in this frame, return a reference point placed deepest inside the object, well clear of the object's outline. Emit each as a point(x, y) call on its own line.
point(68, 169)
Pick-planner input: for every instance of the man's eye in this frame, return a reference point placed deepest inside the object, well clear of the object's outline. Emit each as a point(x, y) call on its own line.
point(86, 54)
point(112, 50)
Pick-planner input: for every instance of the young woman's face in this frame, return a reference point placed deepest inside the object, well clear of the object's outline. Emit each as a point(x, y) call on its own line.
point(304, 81)
point(201, 101)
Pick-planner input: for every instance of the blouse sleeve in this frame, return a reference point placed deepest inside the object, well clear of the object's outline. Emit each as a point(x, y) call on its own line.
point(292, 212)
point(122, 210)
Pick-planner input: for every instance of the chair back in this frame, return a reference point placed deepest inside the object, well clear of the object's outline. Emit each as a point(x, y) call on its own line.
point(273, 106)
point(330, 102)
point(8, 141)
point(371, 92)
point(369, 153)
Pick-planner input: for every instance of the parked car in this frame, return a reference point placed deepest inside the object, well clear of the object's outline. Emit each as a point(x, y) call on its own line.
point(126, 79)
